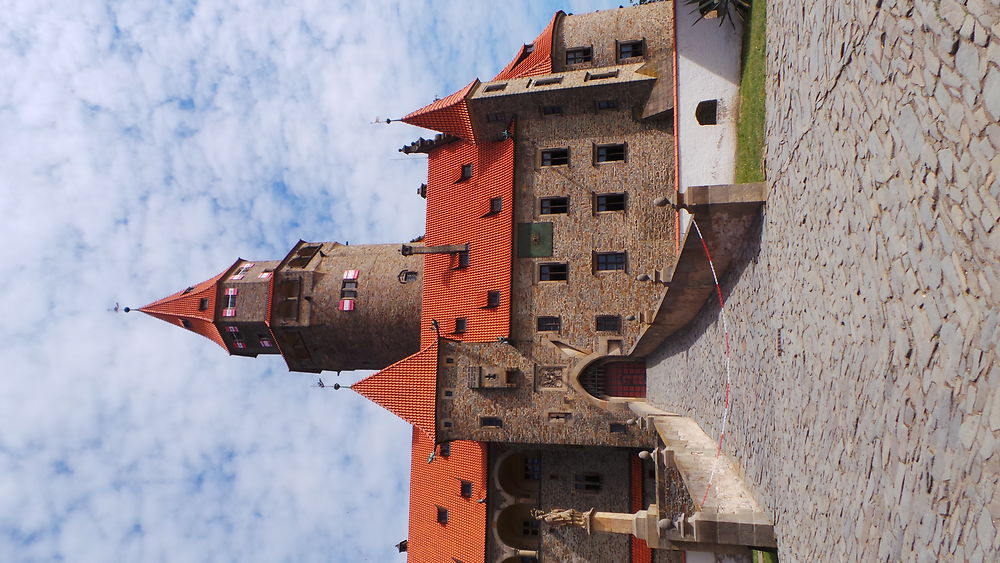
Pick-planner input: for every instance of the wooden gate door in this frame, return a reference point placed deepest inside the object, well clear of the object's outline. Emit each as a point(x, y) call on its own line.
point(625, 379)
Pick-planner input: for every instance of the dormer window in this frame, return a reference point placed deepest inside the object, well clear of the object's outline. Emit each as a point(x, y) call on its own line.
point(579, 55)
point(203, 304)
point(466, 172)
point(461, 323)
point(629, 49)
point(496, 206)
point(185, 323)
point(442, 515)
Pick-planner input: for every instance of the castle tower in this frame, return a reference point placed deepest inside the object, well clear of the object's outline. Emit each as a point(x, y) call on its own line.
point(325, 306)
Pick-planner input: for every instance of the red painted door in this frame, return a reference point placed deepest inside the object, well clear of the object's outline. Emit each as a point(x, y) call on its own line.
point(625, 379)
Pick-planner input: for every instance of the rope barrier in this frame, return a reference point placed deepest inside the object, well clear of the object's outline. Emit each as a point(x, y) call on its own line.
point(728, 356)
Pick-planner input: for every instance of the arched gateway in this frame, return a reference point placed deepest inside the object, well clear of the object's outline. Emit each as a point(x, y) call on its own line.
point(615, 377)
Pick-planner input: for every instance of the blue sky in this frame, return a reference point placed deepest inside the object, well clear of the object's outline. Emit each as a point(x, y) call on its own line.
point(144, 145)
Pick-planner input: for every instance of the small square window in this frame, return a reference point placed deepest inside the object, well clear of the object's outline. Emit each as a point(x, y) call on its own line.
point(460, 324)
point(629, 49)
point(529, 528)
point(549, 324)
point(442, 515)
point(607, 104)
point(551, 110)
point(496, 117)
point(579, 55)
point(532, 468)
point(493, 299)
point(553, 272)
point(465, 489)
point(610, 153)
point(203, 304)
point(589, 482)
point(601, 75)
point(609, 323)
point(610, 261)
point(495, 87)
point(548, 81)
point(496, 205)
point(490, 422)
point(609, 202)
point(553, 205)
point(555, 157)
point(466, 171)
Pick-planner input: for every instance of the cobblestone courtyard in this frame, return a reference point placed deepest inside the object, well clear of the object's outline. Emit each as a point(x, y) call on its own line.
point(865, 308)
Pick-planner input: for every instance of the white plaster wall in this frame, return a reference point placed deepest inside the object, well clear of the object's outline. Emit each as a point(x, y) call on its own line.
point(708, 67)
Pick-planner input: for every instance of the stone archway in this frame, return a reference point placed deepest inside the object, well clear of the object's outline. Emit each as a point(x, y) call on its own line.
point(615, 377)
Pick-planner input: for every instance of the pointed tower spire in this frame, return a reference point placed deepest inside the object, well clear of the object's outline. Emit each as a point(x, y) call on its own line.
point(192, 308)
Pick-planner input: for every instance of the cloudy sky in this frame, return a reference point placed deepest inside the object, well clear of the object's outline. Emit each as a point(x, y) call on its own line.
point(144, 145)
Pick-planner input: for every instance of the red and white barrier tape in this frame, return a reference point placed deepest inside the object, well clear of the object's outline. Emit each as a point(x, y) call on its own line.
point(728, 356)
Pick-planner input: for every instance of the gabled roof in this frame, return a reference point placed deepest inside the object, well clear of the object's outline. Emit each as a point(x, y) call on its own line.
point(185, 307)
point(535, 62)
point(448, 115)
point(437, 484)
point(407, 388)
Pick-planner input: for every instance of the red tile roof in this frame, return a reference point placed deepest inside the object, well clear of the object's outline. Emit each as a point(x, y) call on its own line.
point(538, 61)
point(437, 484)
point(457, 213)
point(407, 388)
point(447, 115)
point(185, 306)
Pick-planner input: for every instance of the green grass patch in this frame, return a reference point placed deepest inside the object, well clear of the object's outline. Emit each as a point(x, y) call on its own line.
point(764, 556)
point(750, 127)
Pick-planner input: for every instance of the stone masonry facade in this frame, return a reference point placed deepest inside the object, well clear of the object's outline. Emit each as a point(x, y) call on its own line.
point(864, 315)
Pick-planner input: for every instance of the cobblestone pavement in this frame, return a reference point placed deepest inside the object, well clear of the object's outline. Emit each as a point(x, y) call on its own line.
point(865, 311)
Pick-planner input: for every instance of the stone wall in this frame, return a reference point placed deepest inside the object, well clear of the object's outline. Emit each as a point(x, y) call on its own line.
point(864, 317)
point(529, 413)
point(600, 31)
point(384, 325)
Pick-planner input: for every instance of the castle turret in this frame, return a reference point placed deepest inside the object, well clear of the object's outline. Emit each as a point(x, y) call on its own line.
point(325, 306)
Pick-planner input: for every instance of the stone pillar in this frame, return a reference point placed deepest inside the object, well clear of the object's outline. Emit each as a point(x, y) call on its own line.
point(613, 522)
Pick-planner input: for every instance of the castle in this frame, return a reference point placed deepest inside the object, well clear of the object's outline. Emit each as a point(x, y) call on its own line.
point(512, 335)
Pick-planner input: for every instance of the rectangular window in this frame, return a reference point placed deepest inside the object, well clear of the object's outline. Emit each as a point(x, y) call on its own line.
point(351, 274)
point(233, 329)
point(493, 299)
point(496, 117)
point(465, 489)
point(348, 294)
point(609, 261)
point(548, 81)
point(495, 87)
point(610, 153)
point(346, 305)
point(554, 205)
point(264, 275)
point(579, 55)
point(496, 205)
point(229, 312)
point(463, 259)
point(529, 528)
point(551, 110)
point(229, 302)
point(460, 324)
point(409, 276)
point(466, 171)
point(266, 343)
point(629, 49)
point(240, 344)
point(609, 202)
point(601, 75)
point(490, 422)
point(618, 428)
point(607, 104)
point(609, 323)
point(553, 272)
point(203, 304)
point(589, 482)
point(555, 157)
point(442, 515)
point(549, 324)
point(532, 468)
point(559, 416)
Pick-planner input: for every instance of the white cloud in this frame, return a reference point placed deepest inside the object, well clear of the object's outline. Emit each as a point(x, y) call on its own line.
point(145, 145)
